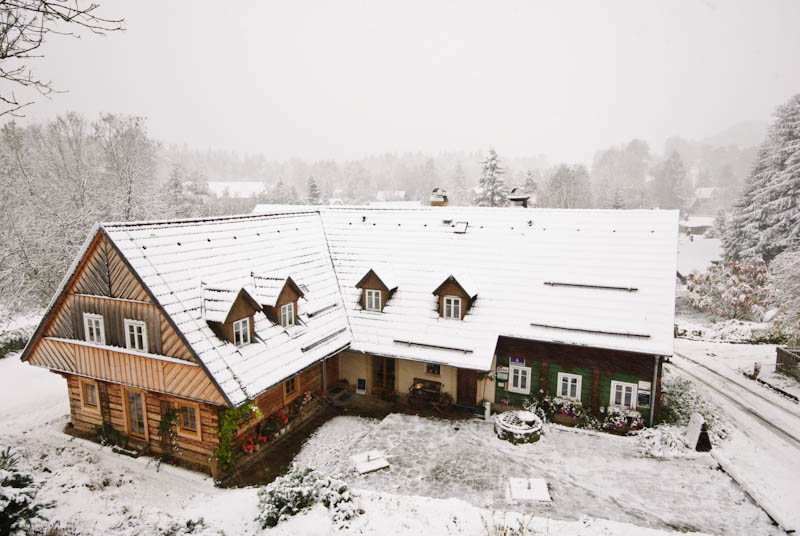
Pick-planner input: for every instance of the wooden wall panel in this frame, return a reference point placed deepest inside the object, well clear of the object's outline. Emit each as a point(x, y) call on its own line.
point(332, 370)
point(123, 283)
point(92, 276)
point(143, 372)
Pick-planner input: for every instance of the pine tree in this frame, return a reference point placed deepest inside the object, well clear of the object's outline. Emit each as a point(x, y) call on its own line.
point(766, 217)
point(492, 186)
point(619, 200)
point(313, 197)
point(530, 183)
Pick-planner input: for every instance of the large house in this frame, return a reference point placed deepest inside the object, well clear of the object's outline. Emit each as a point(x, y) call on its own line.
point(496, 304)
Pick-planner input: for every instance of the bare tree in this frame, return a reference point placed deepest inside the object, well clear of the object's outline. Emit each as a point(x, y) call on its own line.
point(24, 27)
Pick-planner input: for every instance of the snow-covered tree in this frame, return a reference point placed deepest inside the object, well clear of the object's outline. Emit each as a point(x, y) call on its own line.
point(766, 217)
point(738, 289)
point(784, 275)
point(530, 183)
point(493, 189)
point(18, 505)
point(458, 186)
point(568, 188)
point(313, 195)
point(670, 183)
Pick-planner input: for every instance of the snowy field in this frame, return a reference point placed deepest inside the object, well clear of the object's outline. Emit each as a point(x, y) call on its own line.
point(696, 254)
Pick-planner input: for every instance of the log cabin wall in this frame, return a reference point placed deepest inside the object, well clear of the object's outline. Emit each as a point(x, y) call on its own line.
point(86, 418)
point(451, 289)
point(597, 368)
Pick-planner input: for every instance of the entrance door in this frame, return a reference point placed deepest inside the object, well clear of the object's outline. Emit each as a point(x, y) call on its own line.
point(467, 387)
point(383, 368)
point(134, 404)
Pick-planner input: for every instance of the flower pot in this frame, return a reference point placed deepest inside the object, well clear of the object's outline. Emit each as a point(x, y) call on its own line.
point(565, 420)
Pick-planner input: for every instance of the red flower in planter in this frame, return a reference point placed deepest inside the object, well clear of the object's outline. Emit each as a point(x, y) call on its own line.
point(262, 439)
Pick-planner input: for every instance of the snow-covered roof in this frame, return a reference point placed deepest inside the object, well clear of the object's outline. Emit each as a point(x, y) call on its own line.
point(705, 193)
point(217, 302)
point(601, 278)
point(236, 189)
point(383, 272)
point(697, 221)
point(509, 255)
point(394, 204)
point(267, 288)
point(462, 280)
point(172, 258)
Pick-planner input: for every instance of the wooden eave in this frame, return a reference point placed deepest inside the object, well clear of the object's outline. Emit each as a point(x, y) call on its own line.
point(452, 279)
point(242, 295)
point(360, 283)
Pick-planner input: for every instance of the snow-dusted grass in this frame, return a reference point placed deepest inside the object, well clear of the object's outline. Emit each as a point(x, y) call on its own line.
point(696, 254)
point(599, 475)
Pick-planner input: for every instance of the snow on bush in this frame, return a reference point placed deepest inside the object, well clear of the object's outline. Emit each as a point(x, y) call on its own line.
point(681, 398)
point(300, 489)
point(663, 441)
point(18, 506)
point(736, 289)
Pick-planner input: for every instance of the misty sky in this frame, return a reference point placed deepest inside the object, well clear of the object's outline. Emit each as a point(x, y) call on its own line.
point(348, 79)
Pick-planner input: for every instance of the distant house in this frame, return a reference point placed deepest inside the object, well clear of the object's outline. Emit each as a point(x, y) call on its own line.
point(236, 189)
point(203, 315)
point(390, 195)
point(705, 200)
point(696, 225)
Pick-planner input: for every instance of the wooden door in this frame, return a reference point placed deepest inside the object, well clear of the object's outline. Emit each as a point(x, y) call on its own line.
point(467, 387)
point(136, 418)
point(384, 370)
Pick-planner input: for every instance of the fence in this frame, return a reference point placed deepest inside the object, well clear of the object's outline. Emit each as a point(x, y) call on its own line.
point(789, 362)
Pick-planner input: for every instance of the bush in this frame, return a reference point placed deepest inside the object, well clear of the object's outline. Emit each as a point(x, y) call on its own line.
point(784, 274)
point(300, 489)
point(12, 341)
point(680, 398)
point(107, 435)
point(733, 290)
point(18, 506)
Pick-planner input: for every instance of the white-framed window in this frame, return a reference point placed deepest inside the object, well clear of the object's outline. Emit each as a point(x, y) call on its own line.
point(135, 335)
point(241, 332)
point(452, 307)
point(569, 386)
point(623, 394)
point(93, 328)
point(287, 314)
point(519, 379)
point(373, 300)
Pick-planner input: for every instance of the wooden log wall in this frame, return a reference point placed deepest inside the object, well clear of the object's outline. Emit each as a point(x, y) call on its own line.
point(156, 404)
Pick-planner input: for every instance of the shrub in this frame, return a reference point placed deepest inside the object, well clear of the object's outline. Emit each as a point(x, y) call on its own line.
point(784, 274)
point(732, 290)
point(680, 398)
point(12, 341)
point(107, 435)
point(621, 420)
point(18, 506)
point(302, 488)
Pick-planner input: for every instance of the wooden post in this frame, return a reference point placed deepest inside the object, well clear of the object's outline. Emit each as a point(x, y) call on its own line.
point(543, 378)
point(595, 391)
point(324, 377)
point(105, 406)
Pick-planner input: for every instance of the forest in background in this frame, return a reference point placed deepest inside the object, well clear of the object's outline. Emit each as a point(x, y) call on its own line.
point(60, 177)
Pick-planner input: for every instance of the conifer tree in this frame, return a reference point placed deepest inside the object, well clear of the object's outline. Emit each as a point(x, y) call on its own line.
point(492, 186)
point(458, 189)
point(313, 197)
point(766, 218)
point(669, 182)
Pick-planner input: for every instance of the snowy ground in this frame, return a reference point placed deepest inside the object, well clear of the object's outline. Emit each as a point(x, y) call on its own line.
point(765, 444)
point(697, 253)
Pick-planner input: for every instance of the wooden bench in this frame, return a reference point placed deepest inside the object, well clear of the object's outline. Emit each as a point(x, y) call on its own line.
point(423, 392)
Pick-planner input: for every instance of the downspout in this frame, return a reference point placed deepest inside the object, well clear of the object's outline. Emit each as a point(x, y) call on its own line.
point(654, 388)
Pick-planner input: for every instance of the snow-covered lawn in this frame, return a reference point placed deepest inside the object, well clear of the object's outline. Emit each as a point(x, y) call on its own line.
point(589, 474)
point(442, 480)
point(697, 253)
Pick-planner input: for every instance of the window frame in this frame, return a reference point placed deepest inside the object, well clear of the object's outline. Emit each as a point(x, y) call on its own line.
point(376, 298)
point(579, 386)
point(94, 316)
point(524, 371)
point(453, 301)
point(244, 335)
point(289, 395)
point(634, 394)
point(288, 307)
point(188, 432)
point(429, 369)
point(129, 323)
point(82, 384)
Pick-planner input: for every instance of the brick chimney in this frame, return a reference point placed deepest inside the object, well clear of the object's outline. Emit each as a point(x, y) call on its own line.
point(438, 197)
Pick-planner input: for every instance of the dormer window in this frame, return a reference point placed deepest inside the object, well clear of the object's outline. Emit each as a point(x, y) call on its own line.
point(373, 299)
point(287, 314)
point(241, 332)
point(456, 295)
point(377, 286)
point(452, 307)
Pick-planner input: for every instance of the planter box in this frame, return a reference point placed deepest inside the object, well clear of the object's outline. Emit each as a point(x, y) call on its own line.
point(565, 420)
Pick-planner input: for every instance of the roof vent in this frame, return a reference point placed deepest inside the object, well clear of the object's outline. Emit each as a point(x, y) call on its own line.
point(460, 227)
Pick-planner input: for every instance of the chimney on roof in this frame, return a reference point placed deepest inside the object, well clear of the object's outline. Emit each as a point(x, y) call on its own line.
point(518, 197)
point(439, 197)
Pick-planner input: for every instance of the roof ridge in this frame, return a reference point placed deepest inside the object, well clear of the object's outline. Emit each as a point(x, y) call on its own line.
point(207, 219)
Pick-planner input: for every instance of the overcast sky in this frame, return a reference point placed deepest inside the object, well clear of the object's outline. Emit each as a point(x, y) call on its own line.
point(346, 79)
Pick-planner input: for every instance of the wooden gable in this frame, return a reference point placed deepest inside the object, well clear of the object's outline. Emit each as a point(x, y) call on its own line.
point(451, 287)
point(290, 293)
point(373, 282)
point(103, 283)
